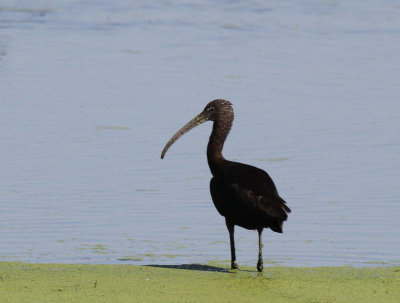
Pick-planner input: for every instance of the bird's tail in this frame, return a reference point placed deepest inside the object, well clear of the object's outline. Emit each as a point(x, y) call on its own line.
point(277, 211)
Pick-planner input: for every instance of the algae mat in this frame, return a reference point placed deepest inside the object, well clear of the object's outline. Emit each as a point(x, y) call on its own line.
point(23, 282)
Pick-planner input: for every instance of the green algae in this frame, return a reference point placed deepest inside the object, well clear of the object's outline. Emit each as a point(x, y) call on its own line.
point(96, 249)
point(145, 189)
point(131, 258)
point(112, 127)
point(41, 11)
point(21, 282)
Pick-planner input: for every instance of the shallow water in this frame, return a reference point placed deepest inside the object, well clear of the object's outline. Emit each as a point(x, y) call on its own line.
point(91, 92)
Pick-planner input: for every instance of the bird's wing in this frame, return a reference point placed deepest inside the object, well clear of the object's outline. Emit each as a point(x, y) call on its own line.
point(253, 188)
point(273, 207)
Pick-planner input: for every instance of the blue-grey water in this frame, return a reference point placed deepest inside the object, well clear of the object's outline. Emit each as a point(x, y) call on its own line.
point(90, 91)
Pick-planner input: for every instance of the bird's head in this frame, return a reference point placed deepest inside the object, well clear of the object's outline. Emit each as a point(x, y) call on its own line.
point(217, 108)
point(213, 111)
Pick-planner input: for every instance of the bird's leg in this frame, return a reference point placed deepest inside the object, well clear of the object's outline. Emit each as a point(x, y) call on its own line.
point(260, 246)
point(231, 229)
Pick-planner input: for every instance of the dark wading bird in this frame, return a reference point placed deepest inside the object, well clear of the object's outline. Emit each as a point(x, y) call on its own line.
point(245, 195)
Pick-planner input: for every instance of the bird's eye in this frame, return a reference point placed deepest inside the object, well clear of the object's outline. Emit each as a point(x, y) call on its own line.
point(210, 109)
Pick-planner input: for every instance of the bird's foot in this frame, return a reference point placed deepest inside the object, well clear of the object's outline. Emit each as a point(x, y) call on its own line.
point(260, 266)
point(234, 265)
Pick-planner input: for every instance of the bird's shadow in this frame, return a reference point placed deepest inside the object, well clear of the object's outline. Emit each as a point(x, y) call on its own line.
point(197, 267)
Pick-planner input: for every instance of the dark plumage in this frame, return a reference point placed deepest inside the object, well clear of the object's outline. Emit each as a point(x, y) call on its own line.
point(245, 195)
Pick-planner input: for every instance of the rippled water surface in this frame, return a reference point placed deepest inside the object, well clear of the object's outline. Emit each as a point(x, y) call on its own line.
point(90, 91)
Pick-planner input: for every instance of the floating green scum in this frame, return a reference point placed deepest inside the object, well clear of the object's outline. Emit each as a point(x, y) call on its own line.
point(23, 282)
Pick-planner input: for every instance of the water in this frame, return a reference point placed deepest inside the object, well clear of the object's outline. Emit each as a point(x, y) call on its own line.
point(91, 92)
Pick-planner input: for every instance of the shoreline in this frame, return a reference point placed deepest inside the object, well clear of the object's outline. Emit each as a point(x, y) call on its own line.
point(32, 282)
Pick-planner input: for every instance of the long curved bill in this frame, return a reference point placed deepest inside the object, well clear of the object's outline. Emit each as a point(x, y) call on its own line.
point(199, 119)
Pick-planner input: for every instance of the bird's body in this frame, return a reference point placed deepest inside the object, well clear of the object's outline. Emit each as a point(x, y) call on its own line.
point(249, 202)
point(245, 195)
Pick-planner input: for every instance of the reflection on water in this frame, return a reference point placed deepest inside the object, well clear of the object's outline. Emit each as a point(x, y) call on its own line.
point(91, 92)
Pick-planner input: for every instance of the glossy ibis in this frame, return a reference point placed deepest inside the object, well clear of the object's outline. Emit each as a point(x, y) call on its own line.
point(245, 195)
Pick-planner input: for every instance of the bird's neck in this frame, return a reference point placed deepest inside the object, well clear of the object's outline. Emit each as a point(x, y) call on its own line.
point(216, 143)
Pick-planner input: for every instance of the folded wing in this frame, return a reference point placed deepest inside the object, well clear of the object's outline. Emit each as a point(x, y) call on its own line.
point(247, 196)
